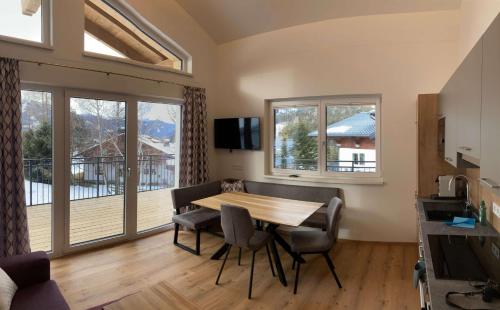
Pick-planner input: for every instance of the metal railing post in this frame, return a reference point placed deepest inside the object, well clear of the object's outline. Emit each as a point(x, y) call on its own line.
point(30, 168)
point(150, 171)
point(98, 173)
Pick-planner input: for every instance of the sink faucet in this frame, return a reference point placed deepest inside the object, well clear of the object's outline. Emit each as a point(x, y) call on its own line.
point(468, 203)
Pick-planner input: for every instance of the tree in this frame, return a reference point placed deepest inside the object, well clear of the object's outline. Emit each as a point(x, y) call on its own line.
point(37, 143)
point(305, 148)
point(284, 153)
point(37, 149)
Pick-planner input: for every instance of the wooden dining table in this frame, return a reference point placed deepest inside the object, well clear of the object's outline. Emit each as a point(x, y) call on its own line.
point(265, 209)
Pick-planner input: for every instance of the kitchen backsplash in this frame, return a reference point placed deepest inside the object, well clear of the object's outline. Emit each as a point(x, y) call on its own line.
point(480, 192)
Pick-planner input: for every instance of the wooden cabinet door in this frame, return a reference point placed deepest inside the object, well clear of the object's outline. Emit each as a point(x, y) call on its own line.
point(490, 114)
point(468, 80)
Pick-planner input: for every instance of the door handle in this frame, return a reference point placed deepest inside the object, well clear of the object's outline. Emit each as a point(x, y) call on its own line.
point(466, 148)
point(129, 172)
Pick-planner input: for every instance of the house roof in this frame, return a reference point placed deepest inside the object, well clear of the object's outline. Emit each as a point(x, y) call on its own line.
point(361, 125)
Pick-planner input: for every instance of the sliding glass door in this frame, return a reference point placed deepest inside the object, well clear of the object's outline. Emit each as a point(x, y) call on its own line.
point(97, 163)
point(157, 162)
point(82, 190)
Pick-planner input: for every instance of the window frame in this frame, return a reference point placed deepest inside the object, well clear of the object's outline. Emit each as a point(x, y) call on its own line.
point(128, 12)
point(323, 102)
point(45, 27)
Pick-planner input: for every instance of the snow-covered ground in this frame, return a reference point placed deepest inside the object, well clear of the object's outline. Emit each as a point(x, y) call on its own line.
point(41, 193)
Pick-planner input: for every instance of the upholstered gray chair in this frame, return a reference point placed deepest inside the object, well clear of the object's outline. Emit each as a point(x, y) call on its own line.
point(197, 219)
point(318, 242)
point(239, 231)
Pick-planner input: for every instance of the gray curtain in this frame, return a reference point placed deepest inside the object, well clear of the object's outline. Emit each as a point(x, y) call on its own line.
point(194, 144)
point(14, 237)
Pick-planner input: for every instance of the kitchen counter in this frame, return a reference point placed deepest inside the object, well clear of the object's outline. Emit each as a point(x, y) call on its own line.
point(438, 288)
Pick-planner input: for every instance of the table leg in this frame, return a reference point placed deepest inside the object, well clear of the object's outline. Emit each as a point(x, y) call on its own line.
point(277, 262)
point(220, 252)
point(284, 244)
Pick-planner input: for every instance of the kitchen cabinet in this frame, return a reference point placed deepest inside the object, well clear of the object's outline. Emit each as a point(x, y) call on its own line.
point(469, 103)
point(490, 116)
point(460, 105)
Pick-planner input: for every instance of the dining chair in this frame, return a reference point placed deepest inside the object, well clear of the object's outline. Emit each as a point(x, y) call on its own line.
point(198, 219)
point(318, 242)
point(239, 231)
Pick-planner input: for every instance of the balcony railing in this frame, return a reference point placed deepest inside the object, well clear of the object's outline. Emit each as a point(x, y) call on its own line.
point(331, 165)
point(94, 177)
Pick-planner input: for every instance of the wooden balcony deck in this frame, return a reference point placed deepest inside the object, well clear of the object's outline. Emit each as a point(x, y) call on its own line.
point(96, 218)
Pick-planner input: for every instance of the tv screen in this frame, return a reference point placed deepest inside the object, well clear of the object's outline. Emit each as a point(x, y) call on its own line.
point(237, 133)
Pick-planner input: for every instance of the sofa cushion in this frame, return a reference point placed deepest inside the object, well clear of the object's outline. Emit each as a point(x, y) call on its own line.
point(306, 193)
point(45, 295)
point(7, 290)
point(197, 218)
point(228, 186)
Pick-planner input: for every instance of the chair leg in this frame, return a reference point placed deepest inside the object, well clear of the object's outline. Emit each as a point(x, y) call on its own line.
point(296, 278)
point(198, 237)
point(332, 268)
point(222, 266)
point(176, 233)
point(293, 264)
point(251, 276)
point(239, 258)
point(270, 260)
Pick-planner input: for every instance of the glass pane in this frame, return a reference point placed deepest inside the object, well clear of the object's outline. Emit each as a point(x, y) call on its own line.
point(94, 45)
point(296, 138)
point(97, 185)
point(114, 33)
point(21, 19)
point(351, 132)
point(157, 147)
point(37, 156)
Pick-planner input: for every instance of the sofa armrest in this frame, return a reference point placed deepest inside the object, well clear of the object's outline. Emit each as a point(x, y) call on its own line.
point(26, 270)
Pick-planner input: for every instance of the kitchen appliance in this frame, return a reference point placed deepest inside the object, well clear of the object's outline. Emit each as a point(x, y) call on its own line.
point(467, 258)
point(445, 188)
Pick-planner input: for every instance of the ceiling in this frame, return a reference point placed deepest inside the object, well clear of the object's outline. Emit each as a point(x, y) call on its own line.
point(227, 20)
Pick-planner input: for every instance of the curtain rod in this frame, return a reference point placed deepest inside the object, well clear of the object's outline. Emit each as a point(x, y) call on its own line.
point(99, 71)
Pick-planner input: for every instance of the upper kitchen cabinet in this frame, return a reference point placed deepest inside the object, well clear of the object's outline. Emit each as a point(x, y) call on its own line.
point(468, 79)
point(490, 116)
point(460, 105)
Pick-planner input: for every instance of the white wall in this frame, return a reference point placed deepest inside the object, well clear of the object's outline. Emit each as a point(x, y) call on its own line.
point(475, 17)
point(398, 56)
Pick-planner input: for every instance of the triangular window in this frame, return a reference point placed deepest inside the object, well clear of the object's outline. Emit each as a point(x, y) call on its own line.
point(113, 28)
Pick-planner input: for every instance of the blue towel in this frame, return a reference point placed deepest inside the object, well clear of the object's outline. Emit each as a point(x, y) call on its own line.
point(463, 222)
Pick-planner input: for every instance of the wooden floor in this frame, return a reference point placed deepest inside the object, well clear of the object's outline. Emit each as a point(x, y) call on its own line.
point(96, 218)
point(373, 275)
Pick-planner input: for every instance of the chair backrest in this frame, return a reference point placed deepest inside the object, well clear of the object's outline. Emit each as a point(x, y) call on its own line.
point(237, 225)
point(182, 197)
point(333, 218)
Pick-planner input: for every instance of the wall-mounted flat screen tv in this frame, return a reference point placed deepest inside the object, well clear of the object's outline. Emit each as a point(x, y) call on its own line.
point(237, 133)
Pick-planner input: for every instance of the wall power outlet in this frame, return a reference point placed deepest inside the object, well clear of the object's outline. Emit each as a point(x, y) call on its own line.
point(496, 209)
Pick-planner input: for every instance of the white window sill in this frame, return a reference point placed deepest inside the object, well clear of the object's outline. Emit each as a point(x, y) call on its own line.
point(24, 42)
point(330, 180)
point(135, 63)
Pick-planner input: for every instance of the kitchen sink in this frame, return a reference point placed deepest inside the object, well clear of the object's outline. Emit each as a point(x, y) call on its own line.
point(444, 210)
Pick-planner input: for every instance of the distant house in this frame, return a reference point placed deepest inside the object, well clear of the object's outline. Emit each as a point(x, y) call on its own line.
point(156, 161)
point(355, 138)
